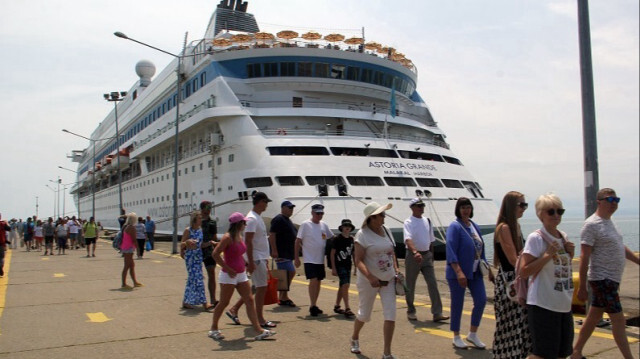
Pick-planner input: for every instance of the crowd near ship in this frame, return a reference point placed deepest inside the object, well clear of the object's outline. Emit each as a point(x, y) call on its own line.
point(305, 117)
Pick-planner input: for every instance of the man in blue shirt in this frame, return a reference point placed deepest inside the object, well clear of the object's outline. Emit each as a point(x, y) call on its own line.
point(150, 228)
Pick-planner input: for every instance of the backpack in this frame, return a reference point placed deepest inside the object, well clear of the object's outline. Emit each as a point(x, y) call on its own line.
point(117, 241)
point(518, 288)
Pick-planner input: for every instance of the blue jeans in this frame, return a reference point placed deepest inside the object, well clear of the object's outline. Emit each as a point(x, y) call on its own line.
point(476, 287)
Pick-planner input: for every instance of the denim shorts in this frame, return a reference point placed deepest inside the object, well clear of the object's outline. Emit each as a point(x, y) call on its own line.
point(344, 274)
point(286, 264)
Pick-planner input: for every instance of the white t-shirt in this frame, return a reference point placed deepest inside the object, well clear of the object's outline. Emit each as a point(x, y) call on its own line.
point(552, 287)
point(256, 225)
point(608, 252)
point(378, 253)
point(419, 231)
point(314, 239)
point(73, 227)
point(38, 231)
point(61, 230)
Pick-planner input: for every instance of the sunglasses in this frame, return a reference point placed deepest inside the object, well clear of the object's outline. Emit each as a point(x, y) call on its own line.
point(553, 211)
point(523, 205)
point(610, 199)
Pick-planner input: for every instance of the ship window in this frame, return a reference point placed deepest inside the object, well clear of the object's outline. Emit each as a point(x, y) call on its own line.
point(377, 77)
point(290, 180)
point(209, 164)
point(455, 161)
point(478, 185)
point(296, 102)
point(429, 182)
point(219, 160)
point(298, 151)
point(328, 180)
point(254, 70)
point(388, 80)
point(203, 79)
point(304, 69)
point(193, 168)
point(337, 71)
point(364, 181)
point(201, 166)
point(420, 156)
point(254, 182)
point(321, 70)
point(400, 181)
point(186, 170)
point(359, 151)
point(451, 183)
point(271, 69)
point(287, 69)
point(187, 90)
point(231, 157)
point(367, 75)
point(195, 85)
point(353, 73)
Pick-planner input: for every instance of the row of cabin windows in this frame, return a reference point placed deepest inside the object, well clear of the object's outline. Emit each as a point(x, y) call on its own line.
point(189, 88)
point(359, 151)
point(254, 182)
point(326, 70)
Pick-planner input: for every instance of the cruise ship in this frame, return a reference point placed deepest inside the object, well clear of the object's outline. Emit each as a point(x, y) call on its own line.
point(305, 117)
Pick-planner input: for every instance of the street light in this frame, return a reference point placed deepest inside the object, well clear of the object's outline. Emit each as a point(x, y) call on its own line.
point(116, 97)
point(175, 163)
point(93, 172)
point(76, 172)
point(57, 195)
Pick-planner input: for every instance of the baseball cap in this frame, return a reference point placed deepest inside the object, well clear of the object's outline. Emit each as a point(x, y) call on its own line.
point(236, 217)
point(317, 208)
point(287, 204)
point(416, 202)
point(260, 196)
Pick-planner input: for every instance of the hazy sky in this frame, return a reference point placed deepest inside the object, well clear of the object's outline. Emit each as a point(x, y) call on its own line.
point(501, 77)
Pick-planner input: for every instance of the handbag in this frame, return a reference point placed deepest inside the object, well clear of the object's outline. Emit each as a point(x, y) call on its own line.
point(401, 286)
point(271, 296)
point(484, 268)
point(282, 276)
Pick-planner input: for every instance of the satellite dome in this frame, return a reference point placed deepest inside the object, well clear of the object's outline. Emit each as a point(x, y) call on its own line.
point(145, 69)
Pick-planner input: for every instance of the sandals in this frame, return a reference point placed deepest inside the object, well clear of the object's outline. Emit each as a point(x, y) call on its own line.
point(348, 313)
point(234, 318)
point(338, 310)
point(265, 334)
point(215, 334)
point(187, 306)
point(287, 303)
point(268, 325)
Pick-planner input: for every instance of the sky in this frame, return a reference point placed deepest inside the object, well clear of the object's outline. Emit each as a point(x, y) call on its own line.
point(501, 78)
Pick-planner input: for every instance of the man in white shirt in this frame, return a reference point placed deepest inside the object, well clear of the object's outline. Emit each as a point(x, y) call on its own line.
point(257, 242)
point(602, 261)
point(419, 239)
point(74, 228)
point(312, 239)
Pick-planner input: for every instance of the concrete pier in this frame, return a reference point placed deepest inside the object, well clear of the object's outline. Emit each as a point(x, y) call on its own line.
point(72, 306)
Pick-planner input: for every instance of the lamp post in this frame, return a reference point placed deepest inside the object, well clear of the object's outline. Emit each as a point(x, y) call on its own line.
point(177, 147)
point(116, 97)
point(54, 199)
point(37, 206)
point(93, 172)
point(76, 172)
point(58, 181)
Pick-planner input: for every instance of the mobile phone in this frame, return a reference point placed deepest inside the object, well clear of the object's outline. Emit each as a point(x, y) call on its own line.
point(383, 283)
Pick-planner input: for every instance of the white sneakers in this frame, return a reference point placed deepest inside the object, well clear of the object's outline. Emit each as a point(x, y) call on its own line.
point(355, 346)
point(473, 339)
point(458, 343)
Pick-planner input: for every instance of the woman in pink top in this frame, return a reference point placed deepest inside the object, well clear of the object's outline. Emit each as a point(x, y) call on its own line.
point(234, 276)
point(129, 245)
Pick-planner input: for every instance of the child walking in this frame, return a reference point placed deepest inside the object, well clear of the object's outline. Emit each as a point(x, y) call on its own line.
point(341, 261)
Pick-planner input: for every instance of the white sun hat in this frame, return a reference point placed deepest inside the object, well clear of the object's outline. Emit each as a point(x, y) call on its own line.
point(374, 208)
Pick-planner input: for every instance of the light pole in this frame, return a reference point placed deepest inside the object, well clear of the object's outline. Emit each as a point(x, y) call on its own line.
point(37, 215)
point(177, 147)
point(58, 181)
point(116, 97)
point(54, 199)
point(93, 172)
point(76, 172)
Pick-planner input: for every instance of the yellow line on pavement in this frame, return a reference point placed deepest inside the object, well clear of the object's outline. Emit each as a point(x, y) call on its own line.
point(4, 281)
point(98, 317)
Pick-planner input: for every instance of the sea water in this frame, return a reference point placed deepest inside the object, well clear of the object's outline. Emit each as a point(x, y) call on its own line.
point(628, 226)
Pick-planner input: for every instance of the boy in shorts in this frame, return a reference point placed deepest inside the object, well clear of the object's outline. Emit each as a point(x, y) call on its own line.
point(341, 261)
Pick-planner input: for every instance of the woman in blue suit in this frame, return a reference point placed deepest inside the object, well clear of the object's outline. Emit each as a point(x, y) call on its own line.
point(465, 251)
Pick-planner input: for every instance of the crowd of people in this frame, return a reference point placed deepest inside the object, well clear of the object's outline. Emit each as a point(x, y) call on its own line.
point(540, 327)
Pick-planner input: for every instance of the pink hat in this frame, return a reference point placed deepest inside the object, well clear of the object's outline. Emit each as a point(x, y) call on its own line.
point(237, 217)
